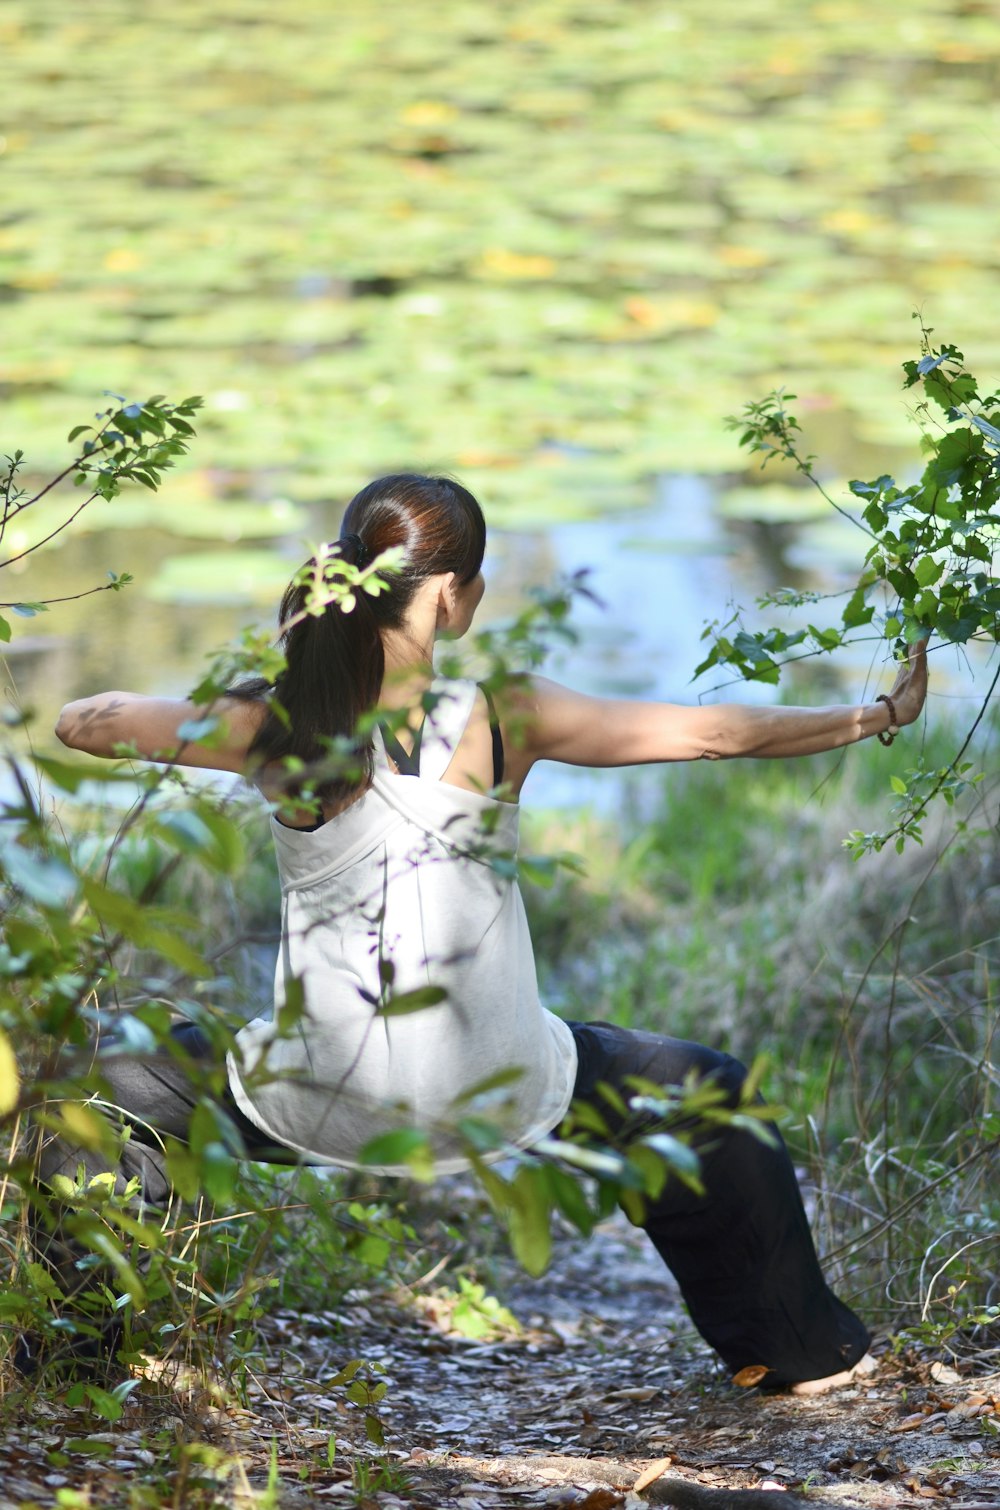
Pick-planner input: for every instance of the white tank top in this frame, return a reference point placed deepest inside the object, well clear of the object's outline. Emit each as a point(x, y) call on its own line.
point(416, 880)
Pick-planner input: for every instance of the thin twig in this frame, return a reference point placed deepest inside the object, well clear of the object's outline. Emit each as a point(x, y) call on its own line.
point(73, 597)
point(65, 525)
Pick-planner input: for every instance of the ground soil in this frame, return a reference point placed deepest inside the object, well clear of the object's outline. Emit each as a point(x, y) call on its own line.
point(605, 1379)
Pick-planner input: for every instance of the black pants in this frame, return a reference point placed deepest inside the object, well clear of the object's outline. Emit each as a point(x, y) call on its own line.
point(742, 1254)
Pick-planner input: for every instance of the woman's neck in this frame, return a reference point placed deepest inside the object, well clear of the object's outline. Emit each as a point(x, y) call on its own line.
point(409, 669)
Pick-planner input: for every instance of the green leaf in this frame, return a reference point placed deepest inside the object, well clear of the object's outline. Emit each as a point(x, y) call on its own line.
point(47, 881)
point(184, 830)
point(956, 627)
point(495, 1082)
point(928, 571)
point(178, 951)
point(372, 1250)
point(4, 630)
point(228, 839)
point(218, 1172)
point(856, 610)
point(530, 1229)
point(570, 1199)
point(88, 1447)
point(107, 1406)
point(413, 1001)
point(103, 1242)
point(898, 785)
point(43, 1281)
point(184, 1171)
point(677, 1155)
point(484, 1136)
point(393, 1147)
point(196, 729)
point(589, 1117)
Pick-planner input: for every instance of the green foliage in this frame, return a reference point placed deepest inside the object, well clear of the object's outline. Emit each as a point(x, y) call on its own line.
point(478, 1315)
point(931, 556)
point(625, 1152)
point(932, 543)
point(363, 1388)
point(382, 1476)
point(137, 442)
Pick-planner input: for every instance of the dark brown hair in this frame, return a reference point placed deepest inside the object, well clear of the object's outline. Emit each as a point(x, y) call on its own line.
point(334, 661)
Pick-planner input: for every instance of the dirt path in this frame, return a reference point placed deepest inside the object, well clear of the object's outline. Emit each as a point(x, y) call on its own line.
point(605, 1378)
point(610, 1376)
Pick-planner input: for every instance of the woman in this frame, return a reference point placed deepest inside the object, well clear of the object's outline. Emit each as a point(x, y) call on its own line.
point(396, 878)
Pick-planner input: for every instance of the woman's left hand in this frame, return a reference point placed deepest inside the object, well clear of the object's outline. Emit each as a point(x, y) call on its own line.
point(910, 687)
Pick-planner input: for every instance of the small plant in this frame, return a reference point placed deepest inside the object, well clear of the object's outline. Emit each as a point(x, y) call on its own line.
point(371, 1476)
point(363, 1388)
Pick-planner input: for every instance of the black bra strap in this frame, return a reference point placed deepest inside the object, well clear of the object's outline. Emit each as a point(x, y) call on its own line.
point(407, 763)
point(497, 736)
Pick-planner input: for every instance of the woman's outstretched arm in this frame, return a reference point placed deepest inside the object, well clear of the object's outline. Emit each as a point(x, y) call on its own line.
point(151, 728)
point(562, 725)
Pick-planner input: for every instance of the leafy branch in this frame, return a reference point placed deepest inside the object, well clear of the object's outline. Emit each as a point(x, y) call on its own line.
point(932, 552)
point(130, 443)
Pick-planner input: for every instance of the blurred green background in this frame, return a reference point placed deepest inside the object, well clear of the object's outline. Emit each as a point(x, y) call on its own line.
point(545, 246)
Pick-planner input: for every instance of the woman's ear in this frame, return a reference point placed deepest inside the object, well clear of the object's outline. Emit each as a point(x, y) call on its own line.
point(447, 600)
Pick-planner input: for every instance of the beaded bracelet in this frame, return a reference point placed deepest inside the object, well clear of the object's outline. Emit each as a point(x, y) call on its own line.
point(886, 737)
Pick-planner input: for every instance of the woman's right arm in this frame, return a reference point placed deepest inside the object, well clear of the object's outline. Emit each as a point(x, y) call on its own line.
point(150, 728)
point(558, 724)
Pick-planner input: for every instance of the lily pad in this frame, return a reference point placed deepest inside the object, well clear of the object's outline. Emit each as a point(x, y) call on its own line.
point(236, 576)
point(775, 503)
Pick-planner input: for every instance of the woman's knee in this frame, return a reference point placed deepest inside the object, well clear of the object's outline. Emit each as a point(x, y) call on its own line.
point(610, 1054)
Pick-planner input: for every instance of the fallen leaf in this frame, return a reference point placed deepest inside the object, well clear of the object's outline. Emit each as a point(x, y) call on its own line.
point(600, 1499)
point(908, 1423)
point(747, 1377)
point(651, 1474)
point(968, 1408)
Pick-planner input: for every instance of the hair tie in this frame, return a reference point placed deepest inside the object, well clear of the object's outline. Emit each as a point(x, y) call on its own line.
point(358, 549)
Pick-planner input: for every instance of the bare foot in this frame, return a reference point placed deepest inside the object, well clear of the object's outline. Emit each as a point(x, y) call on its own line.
point(865, 1365)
